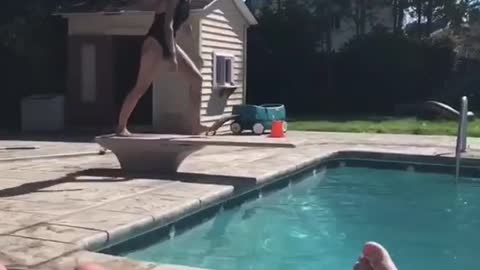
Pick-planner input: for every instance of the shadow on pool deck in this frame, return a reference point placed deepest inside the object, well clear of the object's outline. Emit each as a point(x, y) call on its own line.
point(37, 186)
point(200, 178)
point(117, 175)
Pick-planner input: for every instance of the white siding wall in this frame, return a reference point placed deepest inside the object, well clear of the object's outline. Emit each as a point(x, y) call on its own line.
point(223, 31)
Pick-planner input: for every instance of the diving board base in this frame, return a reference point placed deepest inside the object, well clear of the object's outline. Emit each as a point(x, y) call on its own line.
point(164, 153)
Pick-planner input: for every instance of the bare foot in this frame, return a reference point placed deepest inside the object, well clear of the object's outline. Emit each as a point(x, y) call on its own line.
point(216, 125)
point(205, 130)
point(89, 266)
point(202, 130)
point(374, 257)
point(123, 132)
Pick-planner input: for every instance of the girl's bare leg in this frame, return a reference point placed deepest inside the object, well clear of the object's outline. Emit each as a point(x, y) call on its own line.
point(195, 79)
point(150, 62)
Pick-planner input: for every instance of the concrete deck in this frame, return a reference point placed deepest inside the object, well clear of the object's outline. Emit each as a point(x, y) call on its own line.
point(11, 150)
point(57, 211)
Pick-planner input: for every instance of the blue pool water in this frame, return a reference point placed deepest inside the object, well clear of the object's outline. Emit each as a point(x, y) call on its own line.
point(425, 220)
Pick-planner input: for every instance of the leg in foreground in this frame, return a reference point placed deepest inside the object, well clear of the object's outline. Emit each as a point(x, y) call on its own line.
point(90, 266)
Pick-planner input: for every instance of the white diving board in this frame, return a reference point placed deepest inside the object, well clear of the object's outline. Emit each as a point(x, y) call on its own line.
point(165, 152)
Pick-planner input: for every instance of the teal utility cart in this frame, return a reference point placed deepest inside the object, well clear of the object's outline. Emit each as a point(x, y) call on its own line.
point(257, 118)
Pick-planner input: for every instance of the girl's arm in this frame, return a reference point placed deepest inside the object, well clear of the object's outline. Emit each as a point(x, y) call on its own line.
point(169, 34)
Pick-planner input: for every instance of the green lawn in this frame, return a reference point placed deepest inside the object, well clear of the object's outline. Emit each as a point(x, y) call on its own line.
point(381, 125)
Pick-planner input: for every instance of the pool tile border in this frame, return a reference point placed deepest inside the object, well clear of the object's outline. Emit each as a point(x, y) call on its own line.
point(165, 219)
point(470, 168)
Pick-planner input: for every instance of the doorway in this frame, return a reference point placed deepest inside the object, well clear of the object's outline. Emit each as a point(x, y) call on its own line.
point(127, 60)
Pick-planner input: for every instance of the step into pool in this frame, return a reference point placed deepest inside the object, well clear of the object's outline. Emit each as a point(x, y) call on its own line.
point(424, 219)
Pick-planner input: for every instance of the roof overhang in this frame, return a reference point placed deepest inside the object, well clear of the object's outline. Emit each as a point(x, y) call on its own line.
point(242, 7)
point(246, 12)
point(124, 13)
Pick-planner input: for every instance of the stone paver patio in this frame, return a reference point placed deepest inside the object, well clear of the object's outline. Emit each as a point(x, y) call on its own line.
point(21, 150)
point(57, 210)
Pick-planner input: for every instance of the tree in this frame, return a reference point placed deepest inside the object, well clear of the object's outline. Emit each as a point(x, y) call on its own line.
point(429, 16)
point(398, 10)
point(456, 13)
point(361, 12)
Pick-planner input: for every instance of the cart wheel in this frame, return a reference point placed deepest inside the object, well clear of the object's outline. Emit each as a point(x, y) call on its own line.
point(285, 126)
point(236, 128)
point(258, 128)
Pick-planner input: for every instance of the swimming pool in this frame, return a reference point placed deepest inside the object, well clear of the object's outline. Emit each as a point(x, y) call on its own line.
point(424, 219)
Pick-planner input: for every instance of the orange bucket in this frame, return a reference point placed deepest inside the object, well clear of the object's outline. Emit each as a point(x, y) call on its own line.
point(277, 129)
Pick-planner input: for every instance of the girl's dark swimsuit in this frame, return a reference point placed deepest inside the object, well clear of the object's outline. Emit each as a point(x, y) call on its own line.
point(182, 11)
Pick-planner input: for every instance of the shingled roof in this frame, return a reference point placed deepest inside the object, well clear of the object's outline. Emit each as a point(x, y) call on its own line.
point(74, 6)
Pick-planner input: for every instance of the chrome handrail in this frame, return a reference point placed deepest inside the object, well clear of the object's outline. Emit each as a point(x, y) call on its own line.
point(461, 146)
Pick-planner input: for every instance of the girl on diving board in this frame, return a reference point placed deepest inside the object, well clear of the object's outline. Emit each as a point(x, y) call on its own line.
point(160, 52)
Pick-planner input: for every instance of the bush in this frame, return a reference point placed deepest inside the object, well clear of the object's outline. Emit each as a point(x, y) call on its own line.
point(375, 72)
point(282, 62)
point(370, 74)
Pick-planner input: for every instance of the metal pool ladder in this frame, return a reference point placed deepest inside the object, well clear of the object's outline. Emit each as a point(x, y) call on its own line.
point(461, 146)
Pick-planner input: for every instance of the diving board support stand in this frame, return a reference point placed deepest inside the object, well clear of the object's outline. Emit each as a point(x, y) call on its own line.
point(164, 153)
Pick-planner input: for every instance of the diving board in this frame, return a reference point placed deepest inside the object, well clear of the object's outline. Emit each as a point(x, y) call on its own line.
point(165, 152)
